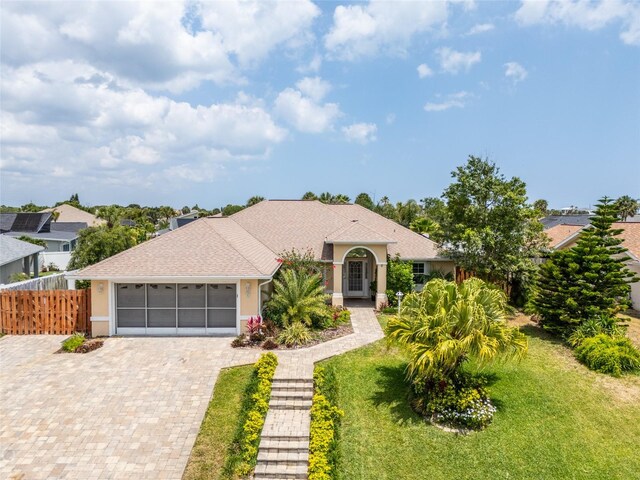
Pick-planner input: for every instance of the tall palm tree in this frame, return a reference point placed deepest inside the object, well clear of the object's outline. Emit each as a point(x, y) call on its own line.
point(627, 207)
point(447, 324)
point(299, 296)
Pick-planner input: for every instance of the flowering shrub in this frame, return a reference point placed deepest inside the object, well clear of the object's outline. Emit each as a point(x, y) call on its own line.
point(461, 403)
point(264, 369)
point(324, 422)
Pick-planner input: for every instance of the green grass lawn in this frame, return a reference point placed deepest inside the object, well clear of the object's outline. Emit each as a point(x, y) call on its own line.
point(214, 454)
point(555, 420)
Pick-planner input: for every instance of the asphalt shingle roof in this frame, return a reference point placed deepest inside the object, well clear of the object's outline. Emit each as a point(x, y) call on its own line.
point(12, 249)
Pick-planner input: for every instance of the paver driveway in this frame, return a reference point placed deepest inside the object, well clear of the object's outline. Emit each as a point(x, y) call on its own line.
point(131, 409)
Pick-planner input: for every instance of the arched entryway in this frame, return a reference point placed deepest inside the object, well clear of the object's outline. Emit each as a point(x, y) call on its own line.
point(360, 273)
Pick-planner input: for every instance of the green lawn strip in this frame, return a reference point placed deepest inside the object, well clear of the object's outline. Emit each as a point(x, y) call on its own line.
point(555, 420)
point(214, 453)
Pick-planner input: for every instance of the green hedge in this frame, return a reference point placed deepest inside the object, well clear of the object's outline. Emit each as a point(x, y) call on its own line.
point(325, 417)
point(606, 354)
point(265, 367)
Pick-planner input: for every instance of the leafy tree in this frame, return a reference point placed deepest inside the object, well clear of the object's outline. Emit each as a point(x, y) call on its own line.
point(541, 206)
point(255, 199)
point(626, 207)
point(426, 226)
point(385, 208)
point(399, 279)
point(407, 212)
point(97, 243)
point(111, 214)
point(298, 297)
point(35, 241)
point(587, 281)
point(32, 208)
point(446, 325)
point(364, 200)
point(489, 228)
point(185, 210)
point(309, 196)
point(231, 209)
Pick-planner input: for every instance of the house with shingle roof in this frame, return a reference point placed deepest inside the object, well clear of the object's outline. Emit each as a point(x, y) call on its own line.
point(562, 237)
point(70, 214)
point(211, 275)
point(17, 256)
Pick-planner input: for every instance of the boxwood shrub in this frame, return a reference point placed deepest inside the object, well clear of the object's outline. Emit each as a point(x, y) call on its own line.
point(606, 354)
point(249, 441)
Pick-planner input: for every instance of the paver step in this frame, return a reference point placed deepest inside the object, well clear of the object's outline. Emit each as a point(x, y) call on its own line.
point(308, 381)
point(285, 457)
point(275, 470)
point(292, 394)
point(287, 444)
point(285, 438)
point(292, 386)
point(281, 404)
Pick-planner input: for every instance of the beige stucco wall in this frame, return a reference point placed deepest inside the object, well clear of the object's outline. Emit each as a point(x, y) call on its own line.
point(248, 296)
point(99, 298)
point(635, 287)
point(379, 250)
point(99, 308)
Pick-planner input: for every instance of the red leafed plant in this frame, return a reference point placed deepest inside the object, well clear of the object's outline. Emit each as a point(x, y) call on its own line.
point(254, 325)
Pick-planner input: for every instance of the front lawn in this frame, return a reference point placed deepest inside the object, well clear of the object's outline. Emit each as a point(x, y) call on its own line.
point(214, 454)
point(555, 419)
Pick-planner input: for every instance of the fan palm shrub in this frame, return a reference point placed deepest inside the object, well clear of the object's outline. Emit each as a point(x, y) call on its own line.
point(443, 327)
point(447, 324)
point(298, 297)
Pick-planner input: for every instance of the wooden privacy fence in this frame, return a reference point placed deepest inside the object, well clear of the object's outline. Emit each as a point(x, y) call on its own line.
point(54, 312)
point(462, 275)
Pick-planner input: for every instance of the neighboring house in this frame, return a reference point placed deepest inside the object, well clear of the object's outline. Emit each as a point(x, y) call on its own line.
point(553, 220)
point(212, 275)
point(17, 256)
point(179, 221)
point(70, 214)
point(59, 236)
point(566, 236)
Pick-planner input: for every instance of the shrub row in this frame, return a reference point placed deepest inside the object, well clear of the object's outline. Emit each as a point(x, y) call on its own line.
point(264, 369)
point(325, 417)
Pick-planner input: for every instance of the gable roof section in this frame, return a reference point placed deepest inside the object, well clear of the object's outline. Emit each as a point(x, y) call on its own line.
point(69, 213)
point(204, 248)
point(409, 245)
point(571, 219)
point(12, 249)
point(630, 237)
point(560, 234)
point(25, 222)
point(356, 232)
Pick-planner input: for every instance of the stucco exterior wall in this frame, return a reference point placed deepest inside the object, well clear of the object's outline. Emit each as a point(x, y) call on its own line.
point(9, 269)
point(635, 287)
point(380, 251)
point(248, 300)
point(100, 310)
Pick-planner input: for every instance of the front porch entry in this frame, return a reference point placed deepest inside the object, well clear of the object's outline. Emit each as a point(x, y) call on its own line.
point(357, 273)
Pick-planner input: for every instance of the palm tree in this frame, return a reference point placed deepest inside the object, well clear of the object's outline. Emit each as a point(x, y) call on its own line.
point(446, 324)
point(627, 207)
point(299, 296)
point(340, 198)
point(309, 196)
point(326, 197)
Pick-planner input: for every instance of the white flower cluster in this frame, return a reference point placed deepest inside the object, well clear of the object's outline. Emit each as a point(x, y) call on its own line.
point(479, 414)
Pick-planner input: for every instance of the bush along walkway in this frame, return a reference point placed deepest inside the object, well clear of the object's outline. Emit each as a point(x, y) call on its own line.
point(284, 443)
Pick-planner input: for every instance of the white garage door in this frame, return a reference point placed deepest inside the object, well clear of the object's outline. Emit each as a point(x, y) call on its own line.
point(173, 309)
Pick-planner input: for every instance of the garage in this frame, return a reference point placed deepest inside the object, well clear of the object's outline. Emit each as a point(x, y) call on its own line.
point(176, 309)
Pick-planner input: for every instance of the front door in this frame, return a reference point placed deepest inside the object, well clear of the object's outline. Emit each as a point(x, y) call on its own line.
point(356, 276)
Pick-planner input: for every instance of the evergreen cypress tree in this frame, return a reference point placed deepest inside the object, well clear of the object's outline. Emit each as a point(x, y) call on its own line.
point(587, 281)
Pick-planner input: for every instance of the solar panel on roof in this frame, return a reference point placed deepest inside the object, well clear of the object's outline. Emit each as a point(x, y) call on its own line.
point(26, 222)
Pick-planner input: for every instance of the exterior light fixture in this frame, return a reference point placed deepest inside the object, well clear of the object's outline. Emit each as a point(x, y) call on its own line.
point(399, 295)
point(247, 289)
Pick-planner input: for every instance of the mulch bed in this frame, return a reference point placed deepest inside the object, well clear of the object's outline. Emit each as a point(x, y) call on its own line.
point(89, 345)
point(320, 336)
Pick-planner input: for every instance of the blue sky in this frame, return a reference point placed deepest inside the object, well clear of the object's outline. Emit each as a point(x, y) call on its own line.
point(210, 103)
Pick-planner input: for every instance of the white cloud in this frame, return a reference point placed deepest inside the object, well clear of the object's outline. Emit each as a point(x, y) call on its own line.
point(584, 14)
point(481, 28)
point(365, 30)
point(452, 61)
point(156, 45)
point(73, 115)
point(313, 66)
point(515, 71)
point(454, 100)
point(424, 70)
point(391, 118)
point(362, 133)
point(305, 114)
point(314, 87)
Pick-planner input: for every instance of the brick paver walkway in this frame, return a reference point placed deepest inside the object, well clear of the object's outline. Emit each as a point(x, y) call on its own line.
point(284, 444)
point(132, 409)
